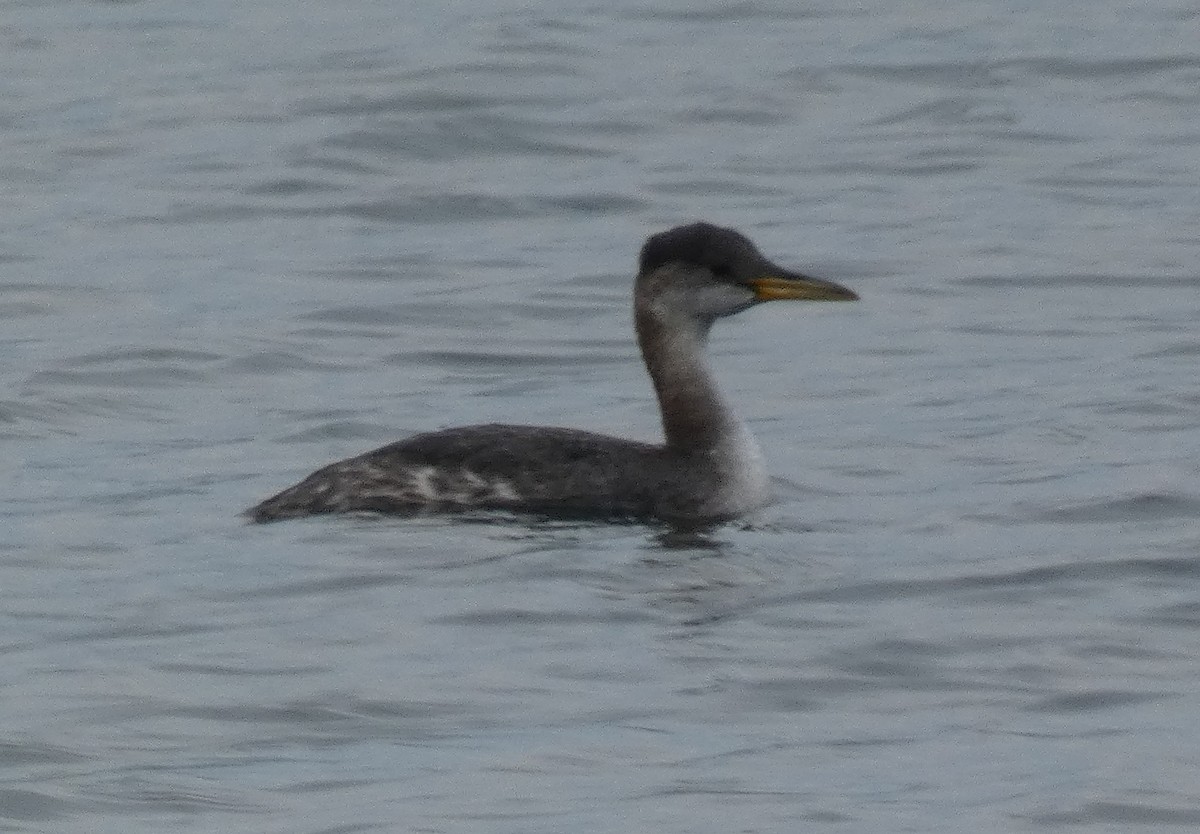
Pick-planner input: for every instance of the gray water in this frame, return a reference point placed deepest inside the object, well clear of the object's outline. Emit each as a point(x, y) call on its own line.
point(243, 240)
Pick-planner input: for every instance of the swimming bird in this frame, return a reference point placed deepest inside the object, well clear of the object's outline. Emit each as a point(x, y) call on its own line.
point(709, 468)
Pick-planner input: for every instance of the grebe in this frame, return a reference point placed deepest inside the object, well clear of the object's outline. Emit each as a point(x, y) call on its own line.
point(709, 469)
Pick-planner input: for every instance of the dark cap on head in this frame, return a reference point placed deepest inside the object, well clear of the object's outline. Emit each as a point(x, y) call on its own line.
point(700, 244)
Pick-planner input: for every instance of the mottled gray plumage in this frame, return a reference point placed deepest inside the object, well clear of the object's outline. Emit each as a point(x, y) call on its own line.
point(708, 468)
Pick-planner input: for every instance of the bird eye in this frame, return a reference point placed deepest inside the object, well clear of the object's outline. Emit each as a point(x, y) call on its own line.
point(723, 270)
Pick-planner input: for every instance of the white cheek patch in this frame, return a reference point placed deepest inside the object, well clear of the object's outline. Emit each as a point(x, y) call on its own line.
point(714, 300)
point(684, 306)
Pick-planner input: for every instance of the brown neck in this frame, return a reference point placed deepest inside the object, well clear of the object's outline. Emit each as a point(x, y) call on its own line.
point(695, 416)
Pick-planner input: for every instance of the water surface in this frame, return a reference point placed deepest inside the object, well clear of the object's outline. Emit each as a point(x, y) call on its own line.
point(243, 241)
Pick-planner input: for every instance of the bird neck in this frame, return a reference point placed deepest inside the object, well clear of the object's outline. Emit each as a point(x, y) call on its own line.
point(695, 416)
